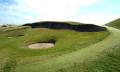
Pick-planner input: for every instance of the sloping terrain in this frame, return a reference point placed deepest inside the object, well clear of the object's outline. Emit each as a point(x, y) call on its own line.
point(115, 23)
point(73, 51)
point(67, 25)
point(103, 56)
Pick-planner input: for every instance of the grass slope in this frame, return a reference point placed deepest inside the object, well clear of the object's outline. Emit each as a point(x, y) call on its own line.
point(115, 23)
point(103, 56)
point(16, 57)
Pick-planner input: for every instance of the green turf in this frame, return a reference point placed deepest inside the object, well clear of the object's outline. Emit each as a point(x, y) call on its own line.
point(16, 56)
point(115, 23)
point(103, 56)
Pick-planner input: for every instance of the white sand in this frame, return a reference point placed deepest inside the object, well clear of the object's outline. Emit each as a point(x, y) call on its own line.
point(41, 45)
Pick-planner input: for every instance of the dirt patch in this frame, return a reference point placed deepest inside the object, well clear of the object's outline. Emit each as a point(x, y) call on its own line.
point(41, 45)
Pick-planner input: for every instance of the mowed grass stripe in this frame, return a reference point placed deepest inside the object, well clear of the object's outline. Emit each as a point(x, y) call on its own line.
point(80, 57)
point(14, 50)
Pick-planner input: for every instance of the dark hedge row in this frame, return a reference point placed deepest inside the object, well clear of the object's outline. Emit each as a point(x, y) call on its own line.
point(65, 25)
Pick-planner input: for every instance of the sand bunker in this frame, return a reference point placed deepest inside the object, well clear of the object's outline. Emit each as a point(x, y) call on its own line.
point(41, 45)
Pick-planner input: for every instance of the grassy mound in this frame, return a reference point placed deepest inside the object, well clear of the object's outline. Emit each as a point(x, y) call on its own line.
point(15, 56)
point(13, 32)
point(67, 25)
point(100, 57)
point(115, 23)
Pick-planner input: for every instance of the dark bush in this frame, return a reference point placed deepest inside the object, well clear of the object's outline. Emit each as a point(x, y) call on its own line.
point(64, 25)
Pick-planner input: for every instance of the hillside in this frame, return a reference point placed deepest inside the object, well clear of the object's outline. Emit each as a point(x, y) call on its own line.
point(115, 23)
point(73, 51)
point(102, 56)
point(67, 25)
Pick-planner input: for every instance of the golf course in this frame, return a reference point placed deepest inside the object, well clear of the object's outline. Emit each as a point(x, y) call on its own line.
point(60, 47)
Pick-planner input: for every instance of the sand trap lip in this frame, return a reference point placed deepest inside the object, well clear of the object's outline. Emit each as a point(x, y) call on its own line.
point(41, 45)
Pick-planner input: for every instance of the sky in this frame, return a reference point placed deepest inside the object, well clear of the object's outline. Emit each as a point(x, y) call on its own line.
point(85, 11)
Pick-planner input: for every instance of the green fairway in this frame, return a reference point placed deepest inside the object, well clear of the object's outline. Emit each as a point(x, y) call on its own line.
point(73, 51)
point(14, 43)
point(100, 57)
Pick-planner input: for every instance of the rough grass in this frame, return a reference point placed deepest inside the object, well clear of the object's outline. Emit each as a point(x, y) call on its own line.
point(15, 56)
point(100, 57)
point(115, 23)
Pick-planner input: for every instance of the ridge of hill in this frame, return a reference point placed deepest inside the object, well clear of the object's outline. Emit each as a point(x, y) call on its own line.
point(76, 26)
point(114, 23)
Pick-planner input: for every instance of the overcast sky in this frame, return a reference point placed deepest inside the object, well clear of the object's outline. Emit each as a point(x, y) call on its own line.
point(86, 11)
